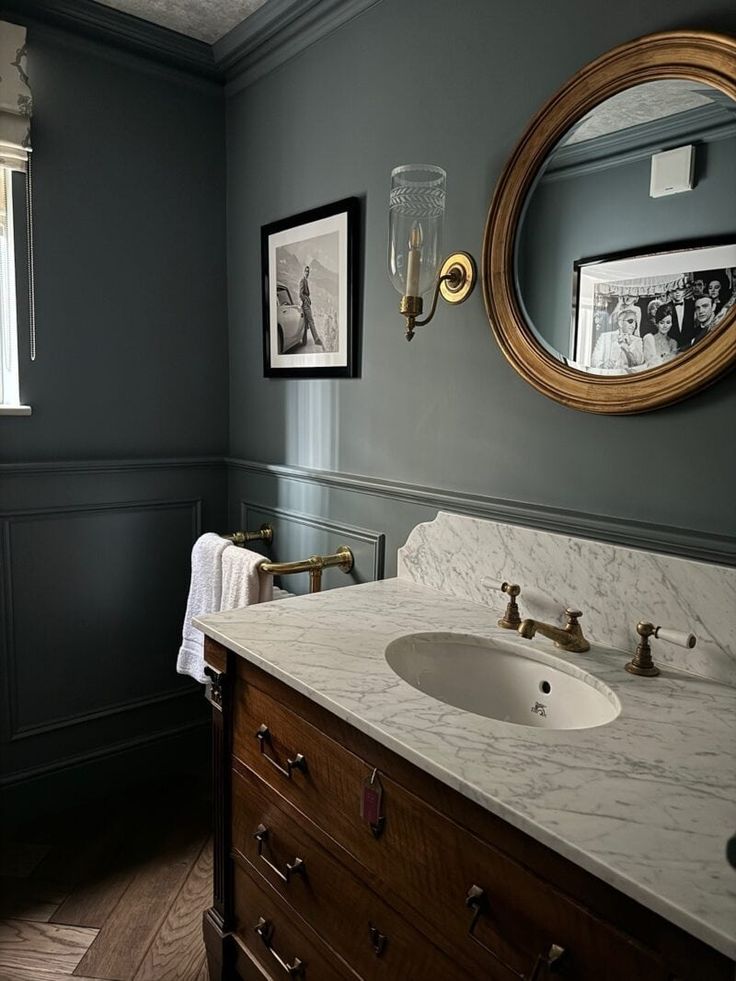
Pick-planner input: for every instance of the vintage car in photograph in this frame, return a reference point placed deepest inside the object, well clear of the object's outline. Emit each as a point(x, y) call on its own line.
point(292, 328)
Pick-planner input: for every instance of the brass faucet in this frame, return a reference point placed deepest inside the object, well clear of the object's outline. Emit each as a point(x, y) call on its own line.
point(569, 638)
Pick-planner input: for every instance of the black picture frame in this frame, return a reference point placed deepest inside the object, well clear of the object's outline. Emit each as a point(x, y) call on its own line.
point(326, 240)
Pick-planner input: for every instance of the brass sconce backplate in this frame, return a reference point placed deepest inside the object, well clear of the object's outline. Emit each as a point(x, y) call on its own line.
point(457, 277)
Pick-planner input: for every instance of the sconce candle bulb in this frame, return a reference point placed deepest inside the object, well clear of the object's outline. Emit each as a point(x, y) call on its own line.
point(416, 218)
point(415, 259)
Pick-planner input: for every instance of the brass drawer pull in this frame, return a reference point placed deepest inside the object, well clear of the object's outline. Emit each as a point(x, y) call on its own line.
point(477, 900)
point(550, 963)
point(264, 929)
point(292, 868)
point(298, 763)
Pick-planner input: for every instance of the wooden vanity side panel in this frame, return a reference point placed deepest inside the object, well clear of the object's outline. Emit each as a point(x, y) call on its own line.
point(688, 959)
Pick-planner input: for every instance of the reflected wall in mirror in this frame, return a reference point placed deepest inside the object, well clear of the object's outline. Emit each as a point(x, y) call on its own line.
point(610, 280)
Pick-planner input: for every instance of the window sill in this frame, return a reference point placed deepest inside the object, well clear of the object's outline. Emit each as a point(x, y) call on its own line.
point(15, 410)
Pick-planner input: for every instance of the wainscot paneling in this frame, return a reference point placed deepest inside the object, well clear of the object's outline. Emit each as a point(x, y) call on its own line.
point(94, 574)
point(297, 536)
point(395, 508)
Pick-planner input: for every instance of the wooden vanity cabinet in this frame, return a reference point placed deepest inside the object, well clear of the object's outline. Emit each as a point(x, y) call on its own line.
point(427, 886)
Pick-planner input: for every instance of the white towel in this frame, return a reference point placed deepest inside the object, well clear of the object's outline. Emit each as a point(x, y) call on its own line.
point(243, 583)
point(205, 596)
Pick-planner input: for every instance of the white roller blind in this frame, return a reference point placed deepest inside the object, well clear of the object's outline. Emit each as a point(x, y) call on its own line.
point(15, 98)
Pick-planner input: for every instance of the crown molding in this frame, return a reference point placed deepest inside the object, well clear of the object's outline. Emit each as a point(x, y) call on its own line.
point(277, 32)
point(701, 125)
point(118, 29)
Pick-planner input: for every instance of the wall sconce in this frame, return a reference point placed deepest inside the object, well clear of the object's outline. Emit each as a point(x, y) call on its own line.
point(416, 217)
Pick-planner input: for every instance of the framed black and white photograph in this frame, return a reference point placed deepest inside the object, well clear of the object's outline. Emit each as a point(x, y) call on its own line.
point(309, 293)
point(638, 311)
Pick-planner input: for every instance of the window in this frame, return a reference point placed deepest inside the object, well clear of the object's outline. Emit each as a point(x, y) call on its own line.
point(15, 145)
point(9, 382)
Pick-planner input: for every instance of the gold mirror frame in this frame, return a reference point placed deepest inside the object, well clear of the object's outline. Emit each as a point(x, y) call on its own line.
point(693, 55)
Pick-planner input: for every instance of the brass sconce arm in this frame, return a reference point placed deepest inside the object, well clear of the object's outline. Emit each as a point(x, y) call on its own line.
point(455, 283)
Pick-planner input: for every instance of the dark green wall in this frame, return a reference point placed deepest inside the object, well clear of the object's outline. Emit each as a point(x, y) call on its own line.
point(129, 241)
point(421, 81)
point(105, 487)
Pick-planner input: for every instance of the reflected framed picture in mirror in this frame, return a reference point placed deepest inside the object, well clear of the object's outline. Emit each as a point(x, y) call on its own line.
point(633, 312)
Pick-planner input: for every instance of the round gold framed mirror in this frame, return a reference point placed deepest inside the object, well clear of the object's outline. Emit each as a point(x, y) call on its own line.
point(609, 255)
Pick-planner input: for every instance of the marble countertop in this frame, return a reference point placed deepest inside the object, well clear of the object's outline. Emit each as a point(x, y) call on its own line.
point(646, 802)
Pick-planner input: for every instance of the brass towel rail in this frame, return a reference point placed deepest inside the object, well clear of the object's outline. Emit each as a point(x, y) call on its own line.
point(342, 558)
point(264, 534)
point(314, 565)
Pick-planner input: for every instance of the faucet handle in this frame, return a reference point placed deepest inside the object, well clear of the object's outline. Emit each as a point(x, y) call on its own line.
point(642, 663)
point(511, 619)
point(678, 637)
point(572, 616)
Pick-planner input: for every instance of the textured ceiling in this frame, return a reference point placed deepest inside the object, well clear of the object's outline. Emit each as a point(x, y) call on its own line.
point(639, 104)
point(206, 20)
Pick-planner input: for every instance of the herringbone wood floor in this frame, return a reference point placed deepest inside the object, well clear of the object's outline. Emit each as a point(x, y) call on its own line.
point(113, 892)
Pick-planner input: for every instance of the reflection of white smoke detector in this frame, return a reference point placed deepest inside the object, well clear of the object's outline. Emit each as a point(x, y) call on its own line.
point(672, 171)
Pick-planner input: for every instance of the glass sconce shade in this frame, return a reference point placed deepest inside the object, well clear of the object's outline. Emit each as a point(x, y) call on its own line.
point(416, 219)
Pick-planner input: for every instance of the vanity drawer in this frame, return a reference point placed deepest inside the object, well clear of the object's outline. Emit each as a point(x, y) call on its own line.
point(326, 786)
point(372, 937)
point(280, 945)
point(488, 907)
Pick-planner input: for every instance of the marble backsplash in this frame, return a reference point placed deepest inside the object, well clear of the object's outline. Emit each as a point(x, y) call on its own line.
point(615, 587)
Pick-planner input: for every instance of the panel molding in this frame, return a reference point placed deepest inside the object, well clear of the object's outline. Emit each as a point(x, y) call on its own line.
point(375, 539)
point(670, 539)
point(11, 780)
point(8, 651)
point(24, 732)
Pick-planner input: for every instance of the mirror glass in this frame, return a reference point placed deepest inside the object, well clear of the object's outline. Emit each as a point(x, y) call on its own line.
point(619, 267)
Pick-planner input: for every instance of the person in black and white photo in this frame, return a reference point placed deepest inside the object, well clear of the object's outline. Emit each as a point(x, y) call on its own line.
point(660, 347)
point(705, 318)
point(306, 302)
point(620, 349)
point(683, 313)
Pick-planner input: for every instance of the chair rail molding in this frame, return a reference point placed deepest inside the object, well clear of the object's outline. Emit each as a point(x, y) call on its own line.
point(673, 540)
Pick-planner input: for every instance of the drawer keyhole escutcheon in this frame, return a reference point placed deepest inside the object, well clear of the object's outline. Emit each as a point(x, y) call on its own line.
point(264, 928)
point(378, 940)
point(292, 868)
point(298, 763)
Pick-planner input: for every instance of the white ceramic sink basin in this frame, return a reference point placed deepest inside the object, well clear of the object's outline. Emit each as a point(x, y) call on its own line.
point(502, 681)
